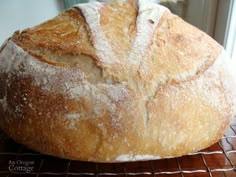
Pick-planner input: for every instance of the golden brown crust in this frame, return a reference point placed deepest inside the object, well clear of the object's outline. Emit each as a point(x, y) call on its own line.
point(123, 25)
point(119, 84)
point(65, 34)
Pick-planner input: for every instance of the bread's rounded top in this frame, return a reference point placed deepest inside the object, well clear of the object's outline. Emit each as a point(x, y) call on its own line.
point(139, 43)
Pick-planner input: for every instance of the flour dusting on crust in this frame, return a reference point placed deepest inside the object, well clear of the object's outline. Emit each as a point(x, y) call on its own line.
point(70, 82)
point(209, 85)
point(149, 15)
point(92, 17)
point(130, 157)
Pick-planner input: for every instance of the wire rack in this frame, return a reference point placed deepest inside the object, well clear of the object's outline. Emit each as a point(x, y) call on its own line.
point(218, 160)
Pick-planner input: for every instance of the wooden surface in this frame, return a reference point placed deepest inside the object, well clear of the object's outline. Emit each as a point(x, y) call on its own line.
point(218, 160)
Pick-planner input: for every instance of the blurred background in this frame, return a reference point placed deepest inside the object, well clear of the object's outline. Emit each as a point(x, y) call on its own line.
point(215, 17)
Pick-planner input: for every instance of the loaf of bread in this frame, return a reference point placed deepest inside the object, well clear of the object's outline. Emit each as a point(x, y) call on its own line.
point(120, 81)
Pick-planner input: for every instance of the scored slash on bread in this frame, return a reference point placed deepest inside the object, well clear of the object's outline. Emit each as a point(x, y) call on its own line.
point(119, 81)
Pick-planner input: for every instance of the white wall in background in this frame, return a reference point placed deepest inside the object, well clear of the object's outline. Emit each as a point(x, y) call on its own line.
point(234, 50)
point(21, 14)
point(231, 35)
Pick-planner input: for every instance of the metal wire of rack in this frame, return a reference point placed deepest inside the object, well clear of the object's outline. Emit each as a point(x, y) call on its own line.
point(219, 160)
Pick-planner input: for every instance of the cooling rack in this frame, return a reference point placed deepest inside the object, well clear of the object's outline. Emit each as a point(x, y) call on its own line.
point(218, 160)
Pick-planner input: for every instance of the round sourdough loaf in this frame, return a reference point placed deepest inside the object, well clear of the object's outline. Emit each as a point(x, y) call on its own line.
point(119, 81)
